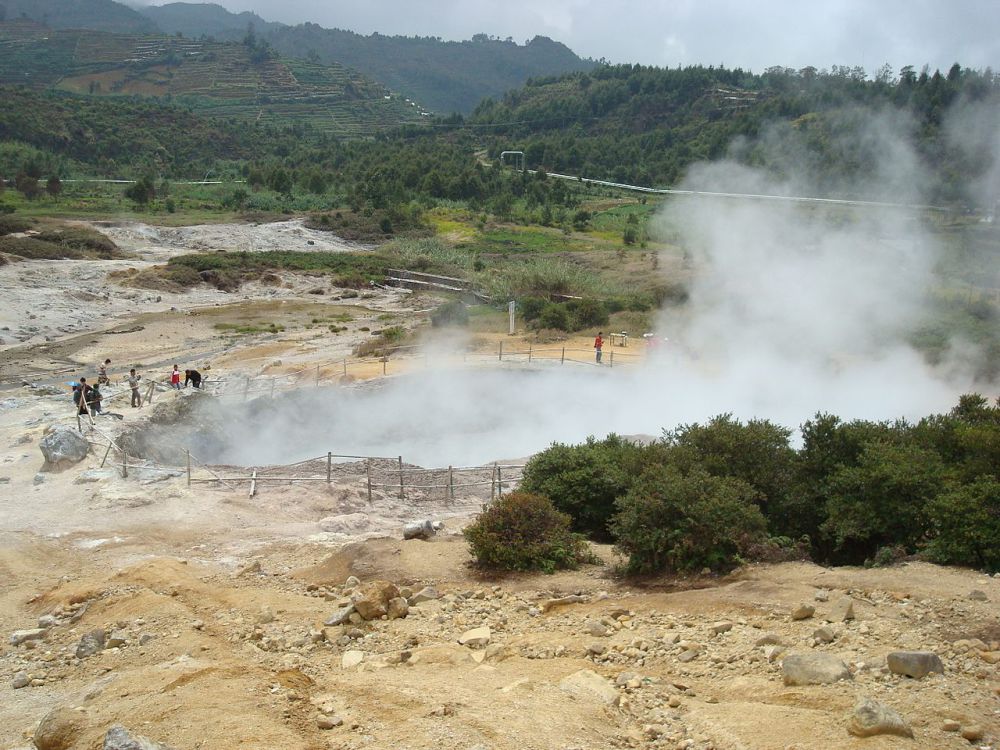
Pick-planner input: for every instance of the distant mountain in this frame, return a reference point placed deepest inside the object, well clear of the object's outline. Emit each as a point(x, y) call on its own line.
point(196, 19)
point(222, 79)
point(102, 15)
point(439, 76)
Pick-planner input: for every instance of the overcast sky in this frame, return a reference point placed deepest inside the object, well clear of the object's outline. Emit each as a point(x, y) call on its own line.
point(735, 33)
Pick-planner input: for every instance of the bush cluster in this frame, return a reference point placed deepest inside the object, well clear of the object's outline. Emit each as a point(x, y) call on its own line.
point(571, 315)
point(522, 531)
point(861, 492)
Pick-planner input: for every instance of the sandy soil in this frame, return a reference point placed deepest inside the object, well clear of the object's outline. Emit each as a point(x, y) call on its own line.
point(216, 601)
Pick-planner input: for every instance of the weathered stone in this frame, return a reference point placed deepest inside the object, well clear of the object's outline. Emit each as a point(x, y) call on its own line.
point(351, 659)
point(821, 595)
point(63, 446)
point(769, 639)
point(721, 627)
point(950, 725)
point(870, 718)
point(371, 600)
point(588, 684)
point(59, 729)
point(91, 643)
point(978, 596)
point(21, 680)
point(397, 608)
point(419, 530)
point(596, 628)
point(686, 656)
point(119, 738)
point(329, 722)
point(48, 621)
point(476, 638)
point(824, 634)
point(426, 594)
point(117, 639)
point(352, 582)
point(341, 616)
point(915, 664)
point(562, 601)
point(803, 612)
point(21, 636)
point(813, 669)
point(842, 610)
point(972, 733)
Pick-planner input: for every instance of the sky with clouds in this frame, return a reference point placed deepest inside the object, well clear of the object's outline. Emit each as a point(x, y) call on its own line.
point(753, 35)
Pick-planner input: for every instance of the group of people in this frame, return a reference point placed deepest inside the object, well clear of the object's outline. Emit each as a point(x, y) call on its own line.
point(88, 398)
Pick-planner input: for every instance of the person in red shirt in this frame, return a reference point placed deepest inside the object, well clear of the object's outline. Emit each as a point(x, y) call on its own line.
point(175, 378)
point(598, 344)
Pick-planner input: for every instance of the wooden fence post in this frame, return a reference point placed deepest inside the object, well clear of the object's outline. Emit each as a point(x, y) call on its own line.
point(562, 358)
point(499, 483)
point(246, 389)
point(329, 467)
point(384, 360)
point(368, 471)
point(103, 460)
point(272, 389)
point(345, 367)
point(529, 353)
point(124, 464)
point(451, 484)
point(188, 452)
point(317, 376)
point(612, 358)
point(253, 483)
point(493, 486)
point(401, 494)
point(501, 351)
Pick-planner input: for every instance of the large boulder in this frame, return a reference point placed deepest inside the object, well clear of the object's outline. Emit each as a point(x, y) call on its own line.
point(63, 446)
point(419, 530)
point(813, 669)
point(588, 684)
point(870, 718)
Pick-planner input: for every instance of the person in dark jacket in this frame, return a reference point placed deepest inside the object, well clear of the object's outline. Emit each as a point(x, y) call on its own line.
point(192, 376)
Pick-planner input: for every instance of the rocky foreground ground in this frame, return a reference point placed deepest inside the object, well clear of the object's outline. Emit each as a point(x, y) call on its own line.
point(295, 647)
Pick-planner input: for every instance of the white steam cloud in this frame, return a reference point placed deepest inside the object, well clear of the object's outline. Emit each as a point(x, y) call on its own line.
point(793, 309)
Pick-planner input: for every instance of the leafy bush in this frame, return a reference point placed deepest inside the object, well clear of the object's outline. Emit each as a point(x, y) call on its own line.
point(522, 531)
point(12, 224)
point(675, 522)
point(555, 316)
point(453, 313)
point(966, 525)
point(587, 313)
point(35, 249)
point(585, 480)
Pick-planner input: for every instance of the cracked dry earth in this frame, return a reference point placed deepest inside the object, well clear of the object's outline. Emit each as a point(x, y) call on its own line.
point(210, 650)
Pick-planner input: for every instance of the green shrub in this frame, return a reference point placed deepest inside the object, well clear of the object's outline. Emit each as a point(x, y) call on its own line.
point(585, 480)
point(35, 249)
point(531, 307)
point(965, 523)
point(453, 313)
point(587, 313)
point(522, 531)
point(554, 316)
point(675, 522)
point(12, 224)
point(881, 501)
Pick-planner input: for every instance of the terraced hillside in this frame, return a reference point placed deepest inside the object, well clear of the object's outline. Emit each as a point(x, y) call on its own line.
point(213, 78)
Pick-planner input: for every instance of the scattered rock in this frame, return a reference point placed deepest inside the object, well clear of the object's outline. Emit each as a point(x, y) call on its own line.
point(870, 718)
point(769, 639)
point(476, 638)
point(397, 608)
point(33, 634)
point(117, 639)
point(265, 615)
point(821, 595)
point(329, 722)
point(419, 530)
point(351, 659)
point(352, 582)
point(63, 446)
point(426, 594)
point(341, 616)
point(371, 601)
point(119, 738)
point(563, 601)
point(588, 684)
point(721, 627)
point(59, 729)
point(824, 635)
point(596, 628)
point(813, 669)
point(972, 733)
point(91, 643)
point(978, 596)
point(842, 610)
point(950, 725)
point(48, 621)
point(21, 680)
point(915, 664)
point(803, 612)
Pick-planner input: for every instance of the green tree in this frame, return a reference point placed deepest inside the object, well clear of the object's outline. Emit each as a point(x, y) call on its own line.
point(53, 186)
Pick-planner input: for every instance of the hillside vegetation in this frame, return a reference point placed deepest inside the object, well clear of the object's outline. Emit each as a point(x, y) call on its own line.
point(245, 79)
point(103, 15)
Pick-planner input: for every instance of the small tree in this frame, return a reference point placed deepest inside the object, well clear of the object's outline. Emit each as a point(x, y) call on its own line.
point(53, 186)
point(142, 191)
point(965, 523)
point(27, 185)
point(521, 531)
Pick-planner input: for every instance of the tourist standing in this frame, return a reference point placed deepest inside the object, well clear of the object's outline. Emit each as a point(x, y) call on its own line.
point(598, 345)
point(175, 378)
point(133, 383)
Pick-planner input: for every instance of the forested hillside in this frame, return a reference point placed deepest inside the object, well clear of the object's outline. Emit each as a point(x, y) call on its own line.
point(647, 125)
point(196, 19)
